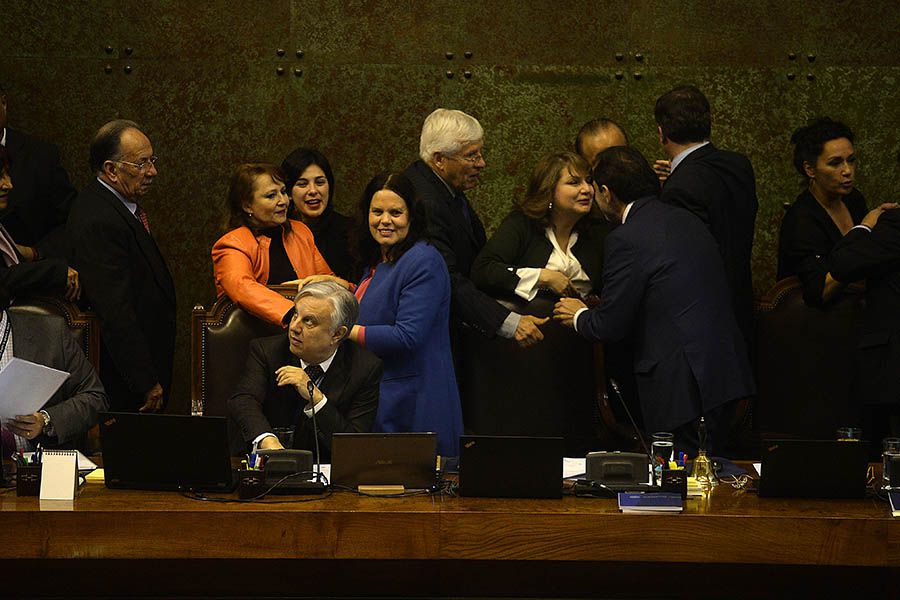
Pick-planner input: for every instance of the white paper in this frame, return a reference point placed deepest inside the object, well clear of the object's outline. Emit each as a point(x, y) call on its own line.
point(574, 468)
point(84, 463)
point(758, 467)
point(25, 387)
point(58, 475)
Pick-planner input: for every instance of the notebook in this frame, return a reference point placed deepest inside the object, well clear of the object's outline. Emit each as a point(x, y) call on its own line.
point(165, 452)
point(383, 459)
point(510, 466)
point(59, 474)
point(656, 502)
point(813, 469)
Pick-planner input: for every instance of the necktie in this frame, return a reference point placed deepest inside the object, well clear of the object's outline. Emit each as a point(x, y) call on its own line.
point(315, 373)
point(142, 217)
point(464, 208)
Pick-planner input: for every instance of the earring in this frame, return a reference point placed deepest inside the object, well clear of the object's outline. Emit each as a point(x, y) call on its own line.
point(550, 206)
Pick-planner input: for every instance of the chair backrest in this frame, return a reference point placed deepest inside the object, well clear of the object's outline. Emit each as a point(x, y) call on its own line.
point(220, 339)
point(83, 325)
point(805, 361)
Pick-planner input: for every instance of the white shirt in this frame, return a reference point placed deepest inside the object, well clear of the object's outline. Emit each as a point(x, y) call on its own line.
point(308, 411)
point(131, 206)
point(560, 260)
point(3, 139)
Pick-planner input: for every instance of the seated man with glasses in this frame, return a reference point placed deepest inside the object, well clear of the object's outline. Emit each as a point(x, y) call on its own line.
point(123, 274)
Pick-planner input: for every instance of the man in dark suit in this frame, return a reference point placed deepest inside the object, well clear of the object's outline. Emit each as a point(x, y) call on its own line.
point(66, 417)
point(664, 287)
point(315, 356)
point(871, 251)
point(451, 163)
point(39, 203)
point(123, 274)
point(716, 185)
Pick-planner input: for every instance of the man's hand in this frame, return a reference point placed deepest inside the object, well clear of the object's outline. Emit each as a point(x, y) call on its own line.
point(298, 378)
point(73, 285)
point(565, 309)
point(528, 332)
point(27, 426)
point(270, 442)
point(153, 399)
point(662, 168)
point(871, 219)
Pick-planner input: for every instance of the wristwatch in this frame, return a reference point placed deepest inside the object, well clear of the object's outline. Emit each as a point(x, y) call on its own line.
point(48, 429)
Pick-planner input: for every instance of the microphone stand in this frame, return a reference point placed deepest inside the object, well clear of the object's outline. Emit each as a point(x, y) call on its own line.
point(310, 387)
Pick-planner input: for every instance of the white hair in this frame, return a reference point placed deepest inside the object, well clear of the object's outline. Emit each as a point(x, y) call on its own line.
point(344, 307)
point(447, 131)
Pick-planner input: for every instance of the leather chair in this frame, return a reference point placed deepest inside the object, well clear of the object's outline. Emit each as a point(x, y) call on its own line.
point(220, 339)
point(83, 325)
point(805, 358)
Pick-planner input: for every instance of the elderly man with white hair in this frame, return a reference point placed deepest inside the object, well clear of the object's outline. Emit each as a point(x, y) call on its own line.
point(451, 151)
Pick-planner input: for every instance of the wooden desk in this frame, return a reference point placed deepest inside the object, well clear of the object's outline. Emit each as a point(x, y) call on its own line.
point(158, 543)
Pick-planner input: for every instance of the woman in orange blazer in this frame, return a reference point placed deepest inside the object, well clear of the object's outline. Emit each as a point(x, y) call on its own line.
point(264, 246)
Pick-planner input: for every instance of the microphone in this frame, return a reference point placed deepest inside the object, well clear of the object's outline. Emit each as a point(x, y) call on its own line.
point(310, 387)
point(615, 387)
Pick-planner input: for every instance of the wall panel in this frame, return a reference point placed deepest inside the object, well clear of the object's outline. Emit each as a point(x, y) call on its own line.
point(203, 81)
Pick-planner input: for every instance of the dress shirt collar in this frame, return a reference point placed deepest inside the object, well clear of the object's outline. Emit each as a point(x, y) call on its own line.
point(626, 211)
point(453, 192)
point(324, 364)
point(3, 138)
point(131, 206)
point(683, 154)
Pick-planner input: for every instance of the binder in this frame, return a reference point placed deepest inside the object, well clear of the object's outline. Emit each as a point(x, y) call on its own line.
point(59, 474)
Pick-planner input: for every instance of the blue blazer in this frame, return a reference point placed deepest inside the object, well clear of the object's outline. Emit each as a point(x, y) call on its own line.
point(406, 315)
point(664, 286)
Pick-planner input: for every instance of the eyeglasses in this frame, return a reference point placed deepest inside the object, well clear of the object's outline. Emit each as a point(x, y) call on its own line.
point(141, 166)
point(471, 157)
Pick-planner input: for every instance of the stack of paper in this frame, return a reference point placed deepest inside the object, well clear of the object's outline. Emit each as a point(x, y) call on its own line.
point(655, 502)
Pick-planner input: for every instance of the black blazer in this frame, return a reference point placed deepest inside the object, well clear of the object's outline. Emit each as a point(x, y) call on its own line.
point(664, 287)
point(459, 243)
point(45, 275)
point(806, 238)
point(521, 242)
point(875, 256)
point(351, 385)
point(719, 187)
point(126, 281)
point(332, 233)
point(41, 196)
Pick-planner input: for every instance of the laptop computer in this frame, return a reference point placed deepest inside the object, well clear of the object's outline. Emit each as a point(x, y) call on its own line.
point(384, 459)
point(813, 469)
point(510, 467)
point(165, 452)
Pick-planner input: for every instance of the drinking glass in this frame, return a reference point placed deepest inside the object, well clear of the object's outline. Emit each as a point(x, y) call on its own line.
point(890, 448)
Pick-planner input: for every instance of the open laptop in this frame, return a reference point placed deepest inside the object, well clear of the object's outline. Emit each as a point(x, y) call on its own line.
point(165, 452)
point(813, 469)
point(384, 459)
point(510, 467)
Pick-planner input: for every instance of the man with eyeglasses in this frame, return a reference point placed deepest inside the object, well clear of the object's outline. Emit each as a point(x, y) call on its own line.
point(124, 275)
point(452, 157)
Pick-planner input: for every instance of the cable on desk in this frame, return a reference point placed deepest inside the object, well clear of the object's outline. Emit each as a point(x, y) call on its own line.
point(193, 495)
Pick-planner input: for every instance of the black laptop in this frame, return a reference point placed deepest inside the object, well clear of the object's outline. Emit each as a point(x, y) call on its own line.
point(813, 469)
point(407, 459)
point(510, 467)
point(165, 452)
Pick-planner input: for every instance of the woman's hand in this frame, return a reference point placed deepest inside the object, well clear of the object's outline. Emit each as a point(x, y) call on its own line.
point(556, 282)
point(313, 278)
point(27, 252)
point(871, 219)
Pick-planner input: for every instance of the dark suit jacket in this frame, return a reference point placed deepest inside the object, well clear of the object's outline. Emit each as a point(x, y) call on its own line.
point(351, 385)
point(45, 275)
point(41, 196)
point(875, 256)
point(332, 233)
point(719, 187)
point(521, 242)
point(126, 281)
point(806, 238)
point(664, 286)
point(459, 243)
point(73, 409)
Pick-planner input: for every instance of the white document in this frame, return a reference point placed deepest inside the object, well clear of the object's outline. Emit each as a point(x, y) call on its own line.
point(59, 474)
point(84, 463)
point(574, 468)
point(25, 387)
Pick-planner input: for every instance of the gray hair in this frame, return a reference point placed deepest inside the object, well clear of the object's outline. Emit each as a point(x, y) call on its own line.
point(344, 307)
point(107, 143)
point(447, 131)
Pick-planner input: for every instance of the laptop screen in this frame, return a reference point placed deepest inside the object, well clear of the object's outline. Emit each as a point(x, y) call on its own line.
point(406, 459)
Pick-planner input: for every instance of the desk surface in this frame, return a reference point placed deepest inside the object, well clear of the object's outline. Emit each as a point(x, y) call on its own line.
point(729, 527)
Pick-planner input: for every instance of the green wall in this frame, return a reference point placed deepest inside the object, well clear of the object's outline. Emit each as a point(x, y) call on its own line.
point(203, 82)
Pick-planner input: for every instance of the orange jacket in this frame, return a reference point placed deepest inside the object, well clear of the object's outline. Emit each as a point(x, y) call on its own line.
point(241, 268)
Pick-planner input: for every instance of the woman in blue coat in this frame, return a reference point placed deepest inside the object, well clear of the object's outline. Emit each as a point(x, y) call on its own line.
point(404, 312)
